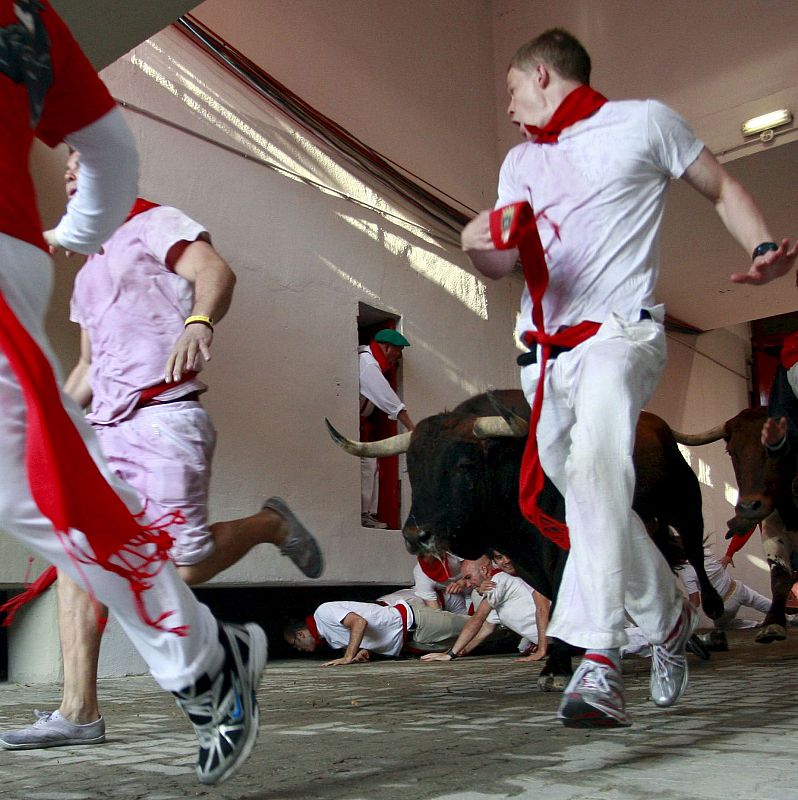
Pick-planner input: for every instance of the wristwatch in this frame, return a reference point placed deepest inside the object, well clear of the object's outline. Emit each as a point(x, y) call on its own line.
point(763, 248)
point(452, 654)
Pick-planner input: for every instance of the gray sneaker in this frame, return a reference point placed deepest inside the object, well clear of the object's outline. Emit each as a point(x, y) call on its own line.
point(53, 730)
point(223, 709)
point(300, 545)
point(668, 662)
point(594, 696)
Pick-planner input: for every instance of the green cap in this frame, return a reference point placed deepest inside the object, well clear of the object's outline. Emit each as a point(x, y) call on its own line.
point(391, 337)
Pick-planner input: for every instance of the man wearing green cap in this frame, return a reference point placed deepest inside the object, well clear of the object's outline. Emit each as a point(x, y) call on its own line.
point(383, 353)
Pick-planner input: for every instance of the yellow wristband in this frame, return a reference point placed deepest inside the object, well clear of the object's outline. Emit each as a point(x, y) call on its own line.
point(203, 320)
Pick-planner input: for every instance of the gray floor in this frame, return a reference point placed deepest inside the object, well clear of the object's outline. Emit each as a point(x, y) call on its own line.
point(472, 730)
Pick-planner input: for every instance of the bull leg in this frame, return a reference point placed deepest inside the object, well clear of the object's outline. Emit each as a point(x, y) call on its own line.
point(777, 546)
point(557, 670)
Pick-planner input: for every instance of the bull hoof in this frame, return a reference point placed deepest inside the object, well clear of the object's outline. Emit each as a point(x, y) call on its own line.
point(771, 633)
point(552, 683)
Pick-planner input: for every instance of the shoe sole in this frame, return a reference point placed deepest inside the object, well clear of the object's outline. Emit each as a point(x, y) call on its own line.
point(583, 715)
point(42, 745)
point(279, 506)
point(258, 651)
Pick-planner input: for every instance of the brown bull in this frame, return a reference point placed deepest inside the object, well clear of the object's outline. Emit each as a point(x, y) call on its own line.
point(765, 497)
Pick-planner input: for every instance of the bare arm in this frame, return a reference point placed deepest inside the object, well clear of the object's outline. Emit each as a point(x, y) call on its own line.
point(469, 632)
point(477, 244)
point(213, 282)
point(77, 384)
point(742, 219)
point(357, 630)
point(404, 418)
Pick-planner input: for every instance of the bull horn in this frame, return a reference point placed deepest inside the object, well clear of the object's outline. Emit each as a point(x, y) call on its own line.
point(697, 439)
point(391, 446)
point(491, 427)
point(517, 423)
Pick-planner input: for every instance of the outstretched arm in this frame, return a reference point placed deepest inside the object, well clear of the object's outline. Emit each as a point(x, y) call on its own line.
point(742, 219)
point(471, 631)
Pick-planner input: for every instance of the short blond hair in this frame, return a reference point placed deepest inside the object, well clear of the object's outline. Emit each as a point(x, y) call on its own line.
point(559, 50)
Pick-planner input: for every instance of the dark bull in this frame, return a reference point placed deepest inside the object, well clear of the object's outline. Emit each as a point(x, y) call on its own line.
point(464, 468)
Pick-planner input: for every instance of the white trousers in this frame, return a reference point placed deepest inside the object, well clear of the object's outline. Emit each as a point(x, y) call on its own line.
point(369, 486)
point(593, 397)
point(175, 662)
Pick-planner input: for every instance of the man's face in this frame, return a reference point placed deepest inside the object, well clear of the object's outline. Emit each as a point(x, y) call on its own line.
point(302, 640)
point(392, 352)
point(71, 173)
point(504, 563)
point(527, 103)
point(473, 573)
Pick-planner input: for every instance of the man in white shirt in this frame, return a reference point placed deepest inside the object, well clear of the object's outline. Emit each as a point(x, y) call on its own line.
point(364, 628)
point(507, 600)
point(581, 202)
point(375, 359)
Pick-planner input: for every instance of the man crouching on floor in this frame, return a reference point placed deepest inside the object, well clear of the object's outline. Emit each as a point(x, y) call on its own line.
point(364, 628)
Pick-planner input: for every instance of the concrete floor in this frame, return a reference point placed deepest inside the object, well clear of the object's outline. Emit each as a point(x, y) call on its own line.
point(476, 729)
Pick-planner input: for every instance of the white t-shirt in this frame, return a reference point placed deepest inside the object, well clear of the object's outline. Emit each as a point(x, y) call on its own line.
point(385, 633)
point(716, 572)
point(598, 196)
point(427, 588)
point(513, 605)
point(374, 387)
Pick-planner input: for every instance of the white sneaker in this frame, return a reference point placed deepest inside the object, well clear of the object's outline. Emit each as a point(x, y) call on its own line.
point(594, 696)
point(53, 730)
point(369, 521)
point(668, 661)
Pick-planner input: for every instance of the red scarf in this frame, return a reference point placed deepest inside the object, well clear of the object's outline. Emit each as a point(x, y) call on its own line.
point(69, 489)
point(437, 569)
point(580, 104)
point(139, 207)
point(313, 629)
point(382, 359)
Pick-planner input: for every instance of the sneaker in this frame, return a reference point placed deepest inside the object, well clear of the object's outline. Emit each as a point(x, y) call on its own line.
point(668, 662)
point(53, 730)
point(299, 545)
point(223, 709)
point(369, 521)
point(594, 696)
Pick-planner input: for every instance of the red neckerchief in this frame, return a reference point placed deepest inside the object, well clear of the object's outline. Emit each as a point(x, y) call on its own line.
point(67, 486)
point(139, 207)
point(382, 359)
point(515, 226)
point(313, 629)
point(437, 570)
point(581, 103)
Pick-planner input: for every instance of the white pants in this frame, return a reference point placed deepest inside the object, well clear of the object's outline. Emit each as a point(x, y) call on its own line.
point(175, 662)
point(593, 397)
point(369, 486)
point(742, 596)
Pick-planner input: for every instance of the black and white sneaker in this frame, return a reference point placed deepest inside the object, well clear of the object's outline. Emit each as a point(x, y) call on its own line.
point(223, 709)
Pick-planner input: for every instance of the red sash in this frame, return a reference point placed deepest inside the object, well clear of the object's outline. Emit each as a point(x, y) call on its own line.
point(515, 226)
point(67, 486)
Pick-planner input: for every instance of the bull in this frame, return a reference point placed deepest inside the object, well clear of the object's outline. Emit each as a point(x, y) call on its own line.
point(464, 470)
point(765, 496)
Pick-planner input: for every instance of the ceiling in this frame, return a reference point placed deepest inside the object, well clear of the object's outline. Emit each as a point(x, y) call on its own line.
point(697, 253)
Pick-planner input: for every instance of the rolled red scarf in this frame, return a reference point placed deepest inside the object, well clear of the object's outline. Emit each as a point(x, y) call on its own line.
point(581, 103)
point(435, 568)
